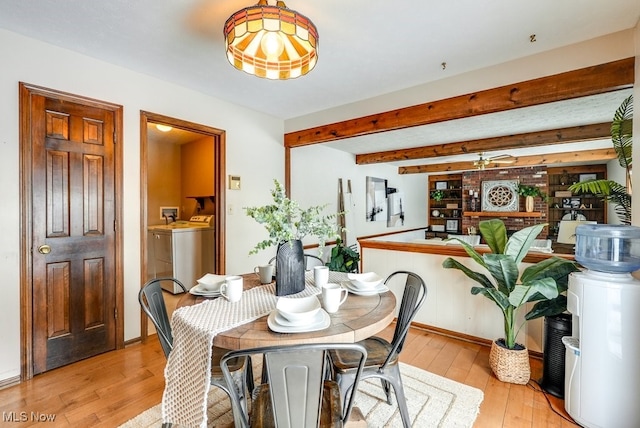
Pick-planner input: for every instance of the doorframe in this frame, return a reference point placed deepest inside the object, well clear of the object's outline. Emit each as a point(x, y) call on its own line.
point(26, 91)
point(219, 139)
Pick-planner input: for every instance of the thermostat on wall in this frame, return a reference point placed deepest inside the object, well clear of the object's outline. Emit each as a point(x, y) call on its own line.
point(234, 182)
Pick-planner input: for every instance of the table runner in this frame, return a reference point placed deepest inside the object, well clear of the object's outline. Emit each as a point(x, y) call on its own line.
point(188, 369)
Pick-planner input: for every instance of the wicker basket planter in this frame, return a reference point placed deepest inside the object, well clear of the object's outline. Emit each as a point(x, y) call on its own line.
point(510, 365)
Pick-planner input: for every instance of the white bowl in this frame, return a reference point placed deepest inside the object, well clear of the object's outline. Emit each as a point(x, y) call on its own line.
point(211, 282)
point(298, 309)
point(365, 280)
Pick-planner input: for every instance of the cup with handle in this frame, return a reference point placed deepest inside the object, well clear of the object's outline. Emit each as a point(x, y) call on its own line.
point(333, 295)
point(265, 273)
point(231, 288)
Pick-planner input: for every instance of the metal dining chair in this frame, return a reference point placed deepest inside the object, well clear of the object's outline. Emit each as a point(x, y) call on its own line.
point(383, 357)
point(310, 261)
point(296, 392)
point(152, 302)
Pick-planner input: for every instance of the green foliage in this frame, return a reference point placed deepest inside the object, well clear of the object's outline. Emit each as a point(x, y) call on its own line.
point(542, 282)
point(526, 190)
point(437, 195)
point(343, 258)
point(622, 133)
point(286, 221)
point(609, 190)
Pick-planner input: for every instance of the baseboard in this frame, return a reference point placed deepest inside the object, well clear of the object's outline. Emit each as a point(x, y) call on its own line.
point(465, 337)
point(11, 381)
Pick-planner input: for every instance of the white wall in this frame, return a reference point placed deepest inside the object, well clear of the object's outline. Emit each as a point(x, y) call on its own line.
point(45, 65)
point(315, 171)
point(618, 174)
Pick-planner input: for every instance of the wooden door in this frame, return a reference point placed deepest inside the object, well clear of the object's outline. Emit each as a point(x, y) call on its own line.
point(73, 231)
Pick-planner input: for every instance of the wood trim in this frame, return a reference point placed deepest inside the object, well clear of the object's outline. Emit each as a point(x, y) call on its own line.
point(26, 91)
point(579, 169)
point(544, 159)
point(219, 137)
point(447, 250)
point(586, 81)
point(461, 336)
point(287, 171)
point(498, 214)
point(529, 139)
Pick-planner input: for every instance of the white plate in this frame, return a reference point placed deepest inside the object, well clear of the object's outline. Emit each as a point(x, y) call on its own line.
point(198, 290)
point(372, 292)
point(211, 279)
point(321, 321)
point(365, 281)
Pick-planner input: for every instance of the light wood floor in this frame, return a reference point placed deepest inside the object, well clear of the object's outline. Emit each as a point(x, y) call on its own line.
point(108, 390)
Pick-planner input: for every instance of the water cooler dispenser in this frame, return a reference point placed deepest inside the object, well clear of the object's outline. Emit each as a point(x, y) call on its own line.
point(602, 364)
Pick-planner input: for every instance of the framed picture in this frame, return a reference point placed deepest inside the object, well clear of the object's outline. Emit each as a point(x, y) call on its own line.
point(586, 177)
point(452, 225)
point(376, 199)
point(441, 185)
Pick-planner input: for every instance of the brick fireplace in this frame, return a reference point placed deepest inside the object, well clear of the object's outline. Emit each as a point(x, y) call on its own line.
point(532, 176)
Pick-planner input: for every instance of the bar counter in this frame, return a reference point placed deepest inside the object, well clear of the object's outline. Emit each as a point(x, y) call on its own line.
point(450, 308)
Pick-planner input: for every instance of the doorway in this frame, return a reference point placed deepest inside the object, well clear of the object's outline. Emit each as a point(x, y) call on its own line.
point(71, 245)
point(189, 204)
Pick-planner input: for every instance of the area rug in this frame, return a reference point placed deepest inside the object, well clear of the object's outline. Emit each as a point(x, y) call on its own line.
point(433, 401)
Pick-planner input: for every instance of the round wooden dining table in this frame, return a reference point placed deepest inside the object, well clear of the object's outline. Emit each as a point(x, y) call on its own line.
point(359, 317)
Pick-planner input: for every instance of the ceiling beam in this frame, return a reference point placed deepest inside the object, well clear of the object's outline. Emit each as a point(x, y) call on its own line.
point(572, 84)
point(545, 159)
point(516, 141)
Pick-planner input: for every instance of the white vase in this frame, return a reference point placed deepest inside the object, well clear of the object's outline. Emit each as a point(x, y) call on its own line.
point(528, 204)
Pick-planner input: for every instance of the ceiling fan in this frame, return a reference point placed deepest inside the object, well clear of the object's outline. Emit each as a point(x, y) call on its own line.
point(482, 162)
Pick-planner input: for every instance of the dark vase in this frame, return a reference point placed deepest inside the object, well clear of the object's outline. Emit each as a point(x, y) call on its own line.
point(289, 268)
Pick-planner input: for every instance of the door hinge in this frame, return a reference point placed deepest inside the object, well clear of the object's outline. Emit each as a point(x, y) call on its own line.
point(115, 313)
point(115, 140)
point(115, 227)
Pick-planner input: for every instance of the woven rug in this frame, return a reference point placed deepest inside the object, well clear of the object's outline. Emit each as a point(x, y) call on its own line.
point(433, 401)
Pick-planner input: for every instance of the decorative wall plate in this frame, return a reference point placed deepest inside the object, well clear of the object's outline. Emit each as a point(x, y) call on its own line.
point(500, 195)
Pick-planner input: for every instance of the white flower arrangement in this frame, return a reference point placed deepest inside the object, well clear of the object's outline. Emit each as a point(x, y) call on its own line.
point(286, 221)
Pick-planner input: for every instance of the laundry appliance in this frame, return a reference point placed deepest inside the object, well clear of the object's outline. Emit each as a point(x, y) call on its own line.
point(602, 367)
point(183, 249)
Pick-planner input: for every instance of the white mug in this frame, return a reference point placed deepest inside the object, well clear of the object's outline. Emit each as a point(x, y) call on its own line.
point(265, 272)
point(231, 288)
point(320, 276)
point(332, 297)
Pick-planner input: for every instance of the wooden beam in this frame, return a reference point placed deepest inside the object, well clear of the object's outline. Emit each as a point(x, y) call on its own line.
point(545, 159)
point(572, 84)
point(516, 141)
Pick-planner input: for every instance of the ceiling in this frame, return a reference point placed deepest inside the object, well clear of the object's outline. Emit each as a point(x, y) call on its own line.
point(366, 48)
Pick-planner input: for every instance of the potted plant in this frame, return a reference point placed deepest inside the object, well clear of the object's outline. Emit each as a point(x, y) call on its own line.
point(287, 223)
point(343, 258)
point(437, 195)
point(510, 290)
point(530, 192)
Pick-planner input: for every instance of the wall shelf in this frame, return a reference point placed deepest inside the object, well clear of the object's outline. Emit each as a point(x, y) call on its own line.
point(520, 214)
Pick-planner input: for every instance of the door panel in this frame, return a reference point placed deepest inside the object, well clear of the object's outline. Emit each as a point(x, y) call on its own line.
point(74, 296)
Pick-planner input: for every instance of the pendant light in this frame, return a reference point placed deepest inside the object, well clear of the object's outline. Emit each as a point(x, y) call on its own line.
point(272, 42)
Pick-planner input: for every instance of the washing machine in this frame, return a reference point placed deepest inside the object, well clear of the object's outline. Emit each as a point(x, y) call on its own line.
point(183, 249)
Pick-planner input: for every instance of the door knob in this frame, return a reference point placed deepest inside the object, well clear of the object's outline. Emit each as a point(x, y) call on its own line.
point(44, 249)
